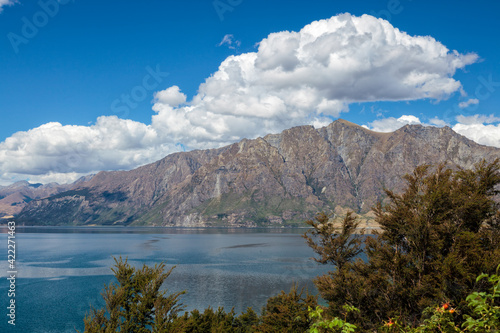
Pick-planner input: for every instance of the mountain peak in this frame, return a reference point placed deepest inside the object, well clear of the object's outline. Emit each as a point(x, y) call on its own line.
point(278, 180)
point(346, 122)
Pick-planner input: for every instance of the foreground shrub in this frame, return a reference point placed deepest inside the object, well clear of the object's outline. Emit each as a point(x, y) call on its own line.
point(485, 316)
point(287, 312)
point(336, 324)
point(216, 321)
point(435, 238)
point(135, 303)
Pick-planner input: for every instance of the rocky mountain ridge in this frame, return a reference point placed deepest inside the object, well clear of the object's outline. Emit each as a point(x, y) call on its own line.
point(278, 180)
point(14, 197)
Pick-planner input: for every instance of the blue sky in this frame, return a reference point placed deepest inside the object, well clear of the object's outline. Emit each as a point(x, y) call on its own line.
point(106, 85)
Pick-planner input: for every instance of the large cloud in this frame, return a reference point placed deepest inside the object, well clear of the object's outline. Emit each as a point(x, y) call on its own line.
point(295, 78)
point(53, 152)
point(311, 76)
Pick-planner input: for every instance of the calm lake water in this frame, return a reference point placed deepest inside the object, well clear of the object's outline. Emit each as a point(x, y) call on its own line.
point(61, 271)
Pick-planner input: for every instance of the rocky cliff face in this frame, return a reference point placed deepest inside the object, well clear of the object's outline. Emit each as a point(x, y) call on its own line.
point(281, 179)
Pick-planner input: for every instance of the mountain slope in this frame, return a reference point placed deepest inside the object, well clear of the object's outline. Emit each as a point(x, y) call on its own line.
point(14, 197)
point(280, 179)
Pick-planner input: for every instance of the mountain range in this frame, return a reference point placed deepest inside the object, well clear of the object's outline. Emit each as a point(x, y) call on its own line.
point(14, 197)
point(277, 180)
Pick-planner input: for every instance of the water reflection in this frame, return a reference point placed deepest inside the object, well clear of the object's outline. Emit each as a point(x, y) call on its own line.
point(66, 271)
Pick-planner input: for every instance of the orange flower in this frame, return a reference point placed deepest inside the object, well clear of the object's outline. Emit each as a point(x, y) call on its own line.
point(390, 323)
point(451, 310)
point(446, 306)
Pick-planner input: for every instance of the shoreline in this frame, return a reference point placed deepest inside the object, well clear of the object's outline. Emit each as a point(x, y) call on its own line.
point(97, 229)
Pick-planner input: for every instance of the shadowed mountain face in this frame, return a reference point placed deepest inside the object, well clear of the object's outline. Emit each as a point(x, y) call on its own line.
point(280, 179)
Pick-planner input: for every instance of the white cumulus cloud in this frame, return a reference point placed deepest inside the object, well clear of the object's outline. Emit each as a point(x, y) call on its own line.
point(486, 134)
point(294, 78)
point(312, 76)
point(53, 152)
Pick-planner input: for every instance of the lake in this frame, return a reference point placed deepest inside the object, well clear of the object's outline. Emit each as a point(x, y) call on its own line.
point(62, 271)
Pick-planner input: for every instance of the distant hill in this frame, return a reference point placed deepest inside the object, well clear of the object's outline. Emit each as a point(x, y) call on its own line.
point(14, 197)
point(278, 180)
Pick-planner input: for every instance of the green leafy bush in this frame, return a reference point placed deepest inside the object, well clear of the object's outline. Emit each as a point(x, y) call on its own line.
point(435, 238)
point(336, 324)
point(287, 312)
point(135, 303)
